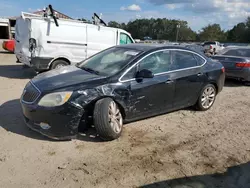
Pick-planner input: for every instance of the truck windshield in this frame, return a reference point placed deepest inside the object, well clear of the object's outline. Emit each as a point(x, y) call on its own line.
point(109, 62)
point(210, 43)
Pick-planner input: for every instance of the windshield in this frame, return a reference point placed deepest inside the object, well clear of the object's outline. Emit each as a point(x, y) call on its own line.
point(209, 43)
point(109, 62)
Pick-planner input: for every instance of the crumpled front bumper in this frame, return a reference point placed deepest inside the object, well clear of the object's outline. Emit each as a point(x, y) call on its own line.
point(59, 123)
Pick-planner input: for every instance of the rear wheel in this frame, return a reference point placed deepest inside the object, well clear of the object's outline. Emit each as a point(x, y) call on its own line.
point(206, 98)
point(108, 119)
point(214, 51)
point(58, 64)
point(247, 83)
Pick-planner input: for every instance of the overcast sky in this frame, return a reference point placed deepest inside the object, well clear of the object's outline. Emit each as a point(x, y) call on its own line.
point(198, 13)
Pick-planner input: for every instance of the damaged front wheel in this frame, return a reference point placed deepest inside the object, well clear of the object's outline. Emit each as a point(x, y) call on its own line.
point(108, 119)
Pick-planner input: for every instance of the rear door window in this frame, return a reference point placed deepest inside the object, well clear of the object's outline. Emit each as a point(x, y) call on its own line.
point(183, 60)
point(199, 59)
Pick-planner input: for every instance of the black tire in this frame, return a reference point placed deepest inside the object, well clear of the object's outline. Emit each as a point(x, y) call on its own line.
point(102, 121)
point(58, 63)
point(214, 51)
point(199, 106)
point(25, 66)
point(247, 83)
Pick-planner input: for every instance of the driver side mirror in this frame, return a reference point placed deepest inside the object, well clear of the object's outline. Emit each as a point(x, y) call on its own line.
point(144, 73)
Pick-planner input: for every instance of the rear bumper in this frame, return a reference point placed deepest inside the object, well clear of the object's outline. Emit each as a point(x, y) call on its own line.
point(221, 82)
point(40, 63)
point(243, 74)
point(23, 59)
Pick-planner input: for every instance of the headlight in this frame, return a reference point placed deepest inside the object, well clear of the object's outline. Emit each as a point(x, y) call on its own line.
point(55, 99)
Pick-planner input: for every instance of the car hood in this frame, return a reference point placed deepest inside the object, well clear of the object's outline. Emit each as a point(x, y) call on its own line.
point(65, 77)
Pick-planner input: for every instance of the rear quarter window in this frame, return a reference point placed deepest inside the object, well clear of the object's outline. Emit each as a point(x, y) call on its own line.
point(199, 59)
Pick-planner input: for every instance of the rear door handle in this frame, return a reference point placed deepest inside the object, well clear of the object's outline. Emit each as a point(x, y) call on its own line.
point(169, 82)
point(200, 74)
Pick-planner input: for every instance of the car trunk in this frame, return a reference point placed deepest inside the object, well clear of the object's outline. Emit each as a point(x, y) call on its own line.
point(229, 62)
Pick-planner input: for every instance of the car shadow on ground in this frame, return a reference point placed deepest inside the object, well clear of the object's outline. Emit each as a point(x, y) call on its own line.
point(6, 52)
point(234, 177)
point(11, 119)
point(89, 135)
point(16, 72)
point(234, 83)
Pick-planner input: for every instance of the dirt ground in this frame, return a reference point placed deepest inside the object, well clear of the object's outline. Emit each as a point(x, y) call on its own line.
point(182, 149)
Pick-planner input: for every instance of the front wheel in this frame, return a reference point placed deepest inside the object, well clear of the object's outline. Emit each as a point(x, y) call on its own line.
point(206, 98)
point(108, 119)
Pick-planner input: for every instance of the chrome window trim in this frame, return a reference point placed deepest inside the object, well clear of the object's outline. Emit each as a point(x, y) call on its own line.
point(122, 81)
point(37, 96)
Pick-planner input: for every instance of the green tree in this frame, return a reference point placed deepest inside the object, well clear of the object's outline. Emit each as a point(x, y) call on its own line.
point(238, 33)
point(212, 33)
point(114, 24)
point(161, 29)
point(247, 35)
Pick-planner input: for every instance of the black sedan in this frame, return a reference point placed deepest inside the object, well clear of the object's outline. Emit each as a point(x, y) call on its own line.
point(236, 61)
point(118, 85)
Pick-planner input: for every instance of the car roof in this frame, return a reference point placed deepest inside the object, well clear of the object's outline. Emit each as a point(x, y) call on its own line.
point(238, 47)
point(148, 47)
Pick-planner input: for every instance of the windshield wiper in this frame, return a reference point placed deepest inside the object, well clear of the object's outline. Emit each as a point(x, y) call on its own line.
point(90, 70)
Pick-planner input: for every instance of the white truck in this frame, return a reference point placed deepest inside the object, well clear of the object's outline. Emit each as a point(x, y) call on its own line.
point(46, 42)
point(212, 47)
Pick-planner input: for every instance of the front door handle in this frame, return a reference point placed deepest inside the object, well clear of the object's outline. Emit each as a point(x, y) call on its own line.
point(169, 82)
point(200, 74)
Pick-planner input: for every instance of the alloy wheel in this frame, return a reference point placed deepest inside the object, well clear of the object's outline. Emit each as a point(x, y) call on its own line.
point(115, 117)
point(208, 97)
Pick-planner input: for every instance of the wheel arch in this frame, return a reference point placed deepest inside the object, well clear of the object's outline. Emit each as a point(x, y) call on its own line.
point(120, 105)
point(215, 85)
point(59, 58)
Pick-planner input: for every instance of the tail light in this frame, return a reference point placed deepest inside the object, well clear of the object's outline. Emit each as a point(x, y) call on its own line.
point(32, 44)
point(223, 69)
point(211, 47)
point(243, 64)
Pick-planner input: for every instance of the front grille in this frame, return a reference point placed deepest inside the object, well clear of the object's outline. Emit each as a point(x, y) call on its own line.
point(30, 93)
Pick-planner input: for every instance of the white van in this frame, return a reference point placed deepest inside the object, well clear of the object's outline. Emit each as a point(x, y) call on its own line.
point(44, 43)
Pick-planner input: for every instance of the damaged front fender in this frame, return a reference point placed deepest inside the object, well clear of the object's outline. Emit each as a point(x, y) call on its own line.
point(118, 92)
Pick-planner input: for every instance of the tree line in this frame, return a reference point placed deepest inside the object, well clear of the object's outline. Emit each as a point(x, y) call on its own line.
point(166, 29)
